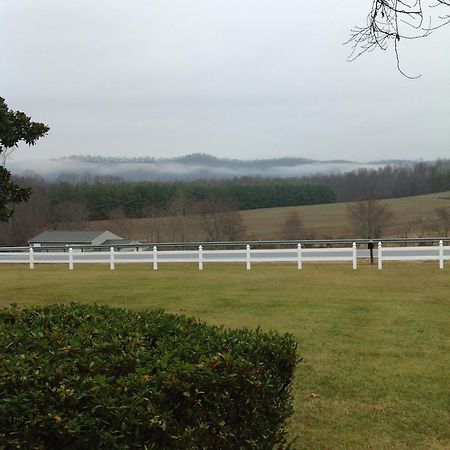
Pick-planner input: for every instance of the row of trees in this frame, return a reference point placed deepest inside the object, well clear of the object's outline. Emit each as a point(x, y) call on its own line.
point(388, 181)
point(214, 205)
point(109, 197)
point(153, 199)
point(104, 196)
point(210, 219)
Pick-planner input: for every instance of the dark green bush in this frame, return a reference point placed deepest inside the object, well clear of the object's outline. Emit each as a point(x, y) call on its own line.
point(93, 377)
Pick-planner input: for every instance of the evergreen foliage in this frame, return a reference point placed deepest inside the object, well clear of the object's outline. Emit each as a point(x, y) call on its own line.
point(89, 376)
point(144, 199)
point(15, 126)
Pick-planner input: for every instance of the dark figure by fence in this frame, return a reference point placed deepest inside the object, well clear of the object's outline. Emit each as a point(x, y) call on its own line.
point(370, 247)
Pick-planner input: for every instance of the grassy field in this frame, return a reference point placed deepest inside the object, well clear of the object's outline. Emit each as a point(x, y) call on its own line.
point(325, 221)
point(375, 344)
point(331, 219)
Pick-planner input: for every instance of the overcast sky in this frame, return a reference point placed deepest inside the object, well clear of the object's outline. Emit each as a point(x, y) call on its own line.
point(240, 79)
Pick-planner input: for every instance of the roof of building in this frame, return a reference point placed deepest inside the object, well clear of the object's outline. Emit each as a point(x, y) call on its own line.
point(68, 236)
point(120, 242)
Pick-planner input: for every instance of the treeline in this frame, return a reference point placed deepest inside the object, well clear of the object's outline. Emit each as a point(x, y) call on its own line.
point(388, 182)
point(179, 211)
point(106, 196)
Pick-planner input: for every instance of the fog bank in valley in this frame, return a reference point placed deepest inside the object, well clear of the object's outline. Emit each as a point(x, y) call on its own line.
point(189, 167)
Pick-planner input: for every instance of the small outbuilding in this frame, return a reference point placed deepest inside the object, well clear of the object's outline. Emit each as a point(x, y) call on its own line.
point(69, 238)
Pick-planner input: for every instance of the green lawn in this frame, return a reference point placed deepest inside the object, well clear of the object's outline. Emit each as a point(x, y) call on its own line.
point(376, 344)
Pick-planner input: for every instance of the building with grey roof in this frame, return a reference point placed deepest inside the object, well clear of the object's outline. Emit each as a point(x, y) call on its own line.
point(70, 238)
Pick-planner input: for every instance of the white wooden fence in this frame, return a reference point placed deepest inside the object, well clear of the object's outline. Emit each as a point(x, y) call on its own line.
point(247, 256)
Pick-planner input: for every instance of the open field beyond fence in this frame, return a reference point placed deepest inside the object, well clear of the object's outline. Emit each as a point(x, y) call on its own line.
point(411, 218)
point(376, 344)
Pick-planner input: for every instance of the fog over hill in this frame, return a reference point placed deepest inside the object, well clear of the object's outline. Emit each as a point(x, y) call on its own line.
point(189, 167)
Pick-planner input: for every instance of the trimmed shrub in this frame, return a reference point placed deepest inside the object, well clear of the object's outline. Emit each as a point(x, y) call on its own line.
point(93, 377)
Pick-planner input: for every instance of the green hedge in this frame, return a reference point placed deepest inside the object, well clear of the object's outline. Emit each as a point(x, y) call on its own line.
point(94, 377)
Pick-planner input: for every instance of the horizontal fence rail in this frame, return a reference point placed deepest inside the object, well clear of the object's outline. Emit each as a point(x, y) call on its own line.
point(318, 243)
point(247, 255)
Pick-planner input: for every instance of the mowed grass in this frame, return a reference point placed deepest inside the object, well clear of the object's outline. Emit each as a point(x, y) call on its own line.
point(375, 344)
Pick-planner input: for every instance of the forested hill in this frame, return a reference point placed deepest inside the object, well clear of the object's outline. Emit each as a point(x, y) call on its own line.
point(185, 168)
point(108, 197)
point(389, 181)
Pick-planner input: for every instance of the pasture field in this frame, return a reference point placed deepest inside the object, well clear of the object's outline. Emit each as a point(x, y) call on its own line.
point(330, 220)
point(375, 344)
point(325, 221)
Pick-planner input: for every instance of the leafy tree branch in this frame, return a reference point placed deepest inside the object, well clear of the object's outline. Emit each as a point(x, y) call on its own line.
point(15, 127)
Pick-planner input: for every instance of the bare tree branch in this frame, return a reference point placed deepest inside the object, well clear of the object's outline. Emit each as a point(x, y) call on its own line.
point(391, 21)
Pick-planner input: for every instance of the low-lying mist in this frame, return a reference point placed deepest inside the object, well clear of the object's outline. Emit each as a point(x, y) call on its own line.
point(187, 168)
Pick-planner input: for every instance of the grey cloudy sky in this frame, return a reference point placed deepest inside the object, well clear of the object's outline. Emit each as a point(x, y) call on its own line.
point(240, 79)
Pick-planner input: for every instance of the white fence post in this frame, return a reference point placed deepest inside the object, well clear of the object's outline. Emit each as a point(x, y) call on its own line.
point(299, 256)
point(200, 257)
point(31, 258)
point(441, 254)
point(70, 258)
point(355, 260)
point(155, 258)
point(380, 256)
point(111, 258)
point(248, 257)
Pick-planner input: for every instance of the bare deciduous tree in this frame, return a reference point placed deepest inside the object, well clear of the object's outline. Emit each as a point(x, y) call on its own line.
point(405, 228)
point(441, 221)
point(5, 155)
point(30, 218)
point(220, 220)
point(294, 228)
point(75, 212)
point(369, 218)
point(180, 208)
point(395, 20)
point(120, 224)
point(116, 214)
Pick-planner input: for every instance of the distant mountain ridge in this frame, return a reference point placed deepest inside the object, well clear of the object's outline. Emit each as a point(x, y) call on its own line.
point(188, 167)
point(205, 158)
